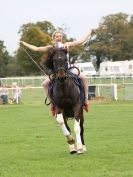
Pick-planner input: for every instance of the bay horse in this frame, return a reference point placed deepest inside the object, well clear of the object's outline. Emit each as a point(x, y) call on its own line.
point(65, 96)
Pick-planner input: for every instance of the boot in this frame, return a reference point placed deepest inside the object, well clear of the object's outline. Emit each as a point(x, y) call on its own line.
point(86, 106)
point(53, 110)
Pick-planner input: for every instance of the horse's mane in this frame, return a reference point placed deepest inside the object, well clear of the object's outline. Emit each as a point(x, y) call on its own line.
point(48, 62)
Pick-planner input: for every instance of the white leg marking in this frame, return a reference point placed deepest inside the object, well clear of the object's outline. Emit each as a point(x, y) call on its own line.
point(78, 137)
point(60, 121)
point(84, 148)
point(72, 148)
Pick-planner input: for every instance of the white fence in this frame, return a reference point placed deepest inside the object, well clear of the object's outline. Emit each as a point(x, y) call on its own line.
point(104, 85)
point(36, 81)
point(108, 91)
point(128, 91)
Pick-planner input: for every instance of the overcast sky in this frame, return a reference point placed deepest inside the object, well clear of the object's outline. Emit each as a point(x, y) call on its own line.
point(78, 15)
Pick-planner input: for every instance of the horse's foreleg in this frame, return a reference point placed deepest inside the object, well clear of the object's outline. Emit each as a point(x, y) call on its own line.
point(66, 132)
point(60, 121)
point(65, 129)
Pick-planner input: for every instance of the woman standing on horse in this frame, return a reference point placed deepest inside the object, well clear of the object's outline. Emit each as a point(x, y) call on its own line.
point(57, 42)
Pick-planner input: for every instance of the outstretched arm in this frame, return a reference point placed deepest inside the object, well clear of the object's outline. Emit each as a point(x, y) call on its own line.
point(35, 48)
point(78, 42)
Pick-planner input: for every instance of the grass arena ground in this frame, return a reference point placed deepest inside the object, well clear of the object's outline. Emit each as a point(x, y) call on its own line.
point(32, 144)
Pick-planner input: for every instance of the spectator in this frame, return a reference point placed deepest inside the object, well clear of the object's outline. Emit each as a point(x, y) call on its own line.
point(4, 94)
point(16, 93)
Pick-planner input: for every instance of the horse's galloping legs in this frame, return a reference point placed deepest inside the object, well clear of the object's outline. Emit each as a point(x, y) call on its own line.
point(66, 132)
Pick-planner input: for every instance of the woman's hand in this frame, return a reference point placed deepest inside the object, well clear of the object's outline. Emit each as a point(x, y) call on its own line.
point(22, 42)
point(66, 45)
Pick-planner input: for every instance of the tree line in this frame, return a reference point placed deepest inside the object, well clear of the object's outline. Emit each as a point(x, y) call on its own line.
point(112, 40)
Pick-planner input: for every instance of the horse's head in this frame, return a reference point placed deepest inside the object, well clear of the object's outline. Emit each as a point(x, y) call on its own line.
point(60, 63)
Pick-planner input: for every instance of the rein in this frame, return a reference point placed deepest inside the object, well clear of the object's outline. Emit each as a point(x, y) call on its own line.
point(87, 45)
point(68, 73)
point(33, 60)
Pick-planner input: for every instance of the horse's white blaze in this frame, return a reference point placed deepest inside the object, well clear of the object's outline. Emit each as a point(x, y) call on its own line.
point(77, 132)
point(60, 121)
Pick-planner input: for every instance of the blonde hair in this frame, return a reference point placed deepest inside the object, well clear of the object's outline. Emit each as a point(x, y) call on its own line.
point(55, 32)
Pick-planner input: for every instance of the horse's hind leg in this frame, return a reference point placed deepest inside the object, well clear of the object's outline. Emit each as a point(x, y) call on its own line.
point(78, 129)
point(82, 132)
point(66, 131)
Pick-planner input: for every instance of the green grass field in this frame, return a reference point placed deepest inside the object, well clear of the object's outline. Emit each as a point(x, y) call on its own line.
point(32, 144)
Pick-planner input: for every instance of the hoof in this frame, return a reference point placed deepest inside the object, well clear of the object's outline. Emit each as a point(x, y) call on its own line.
point(80, 148)
point(73, 152)
point(80, 151)
point(84, 148)
point(72, 148)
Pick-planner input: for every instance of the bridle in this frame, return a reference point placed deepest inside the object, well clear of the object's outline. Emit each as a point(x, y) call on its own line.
point(60, 64)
